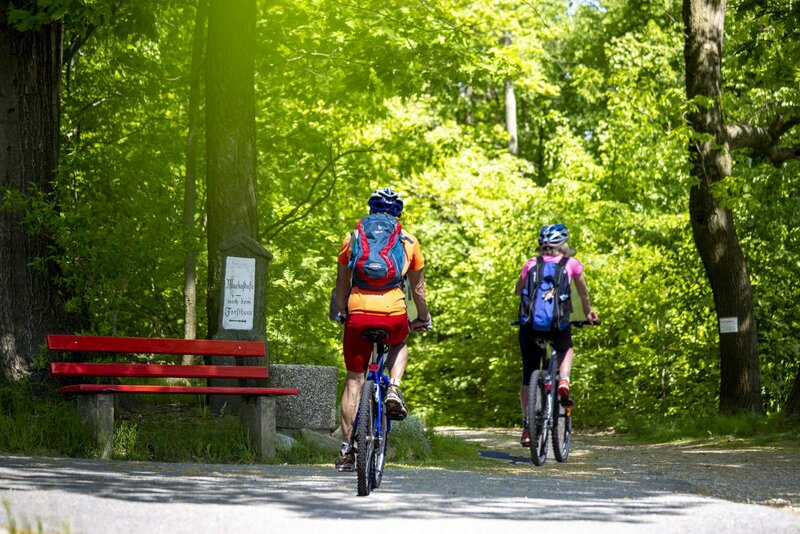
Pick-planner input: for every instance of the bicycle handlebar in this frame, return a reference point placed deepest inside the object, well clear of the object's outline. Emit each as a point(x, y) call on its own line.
point(576, 324)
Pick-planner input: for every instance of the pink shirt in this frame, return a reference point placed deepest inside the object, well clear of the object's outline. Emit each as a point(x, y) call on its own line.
point(574, 268)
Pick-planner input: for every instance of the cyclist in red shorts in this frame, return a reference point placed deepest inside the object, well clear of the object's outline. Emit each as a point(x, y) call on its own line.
point(364, 308)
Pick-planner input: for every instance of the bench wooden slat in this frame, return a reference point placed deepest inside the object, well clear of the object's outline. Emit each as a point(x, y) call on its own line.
point(158, 370)
point(194, 390)
point(142, 345)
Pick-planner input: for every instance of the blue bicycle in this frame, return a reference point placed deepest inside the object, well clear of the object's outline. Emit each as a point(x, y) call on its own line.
point(372, 422)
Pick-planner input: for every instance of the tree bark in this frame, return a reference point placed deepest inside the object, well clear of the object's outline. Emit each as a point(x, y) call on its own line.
point(792, 406)
point(30, 92)
point(190, 180)
point(230, 134)
point(712, 225)
point(511, 109)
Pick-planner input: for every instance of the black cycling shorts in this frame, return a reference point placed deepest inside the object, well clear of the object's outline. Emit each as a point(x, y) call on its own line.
point(532, 347)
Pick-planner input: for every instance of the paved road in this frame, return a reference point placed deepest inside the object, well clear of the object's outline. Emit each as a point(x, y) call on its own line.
point(87, 496)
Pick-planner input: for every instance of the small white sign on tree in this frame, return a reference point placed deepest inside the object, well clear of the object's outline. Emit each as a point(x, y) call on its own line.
point(239, 296)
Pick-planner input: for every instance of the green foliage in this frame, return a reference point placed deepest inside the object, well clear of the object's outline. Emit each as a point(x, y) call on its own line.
point(40, 425)
point(194, 436)
point(352, 97)
point(754, 429)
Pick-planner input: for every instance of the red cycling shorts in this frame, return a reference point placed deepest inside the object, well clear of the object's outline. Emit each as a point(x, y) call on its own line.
point(357, 350)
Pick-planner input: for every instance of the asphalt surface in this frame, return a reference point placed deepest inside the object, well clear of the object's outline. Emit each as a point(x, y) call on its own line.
point(88, 496)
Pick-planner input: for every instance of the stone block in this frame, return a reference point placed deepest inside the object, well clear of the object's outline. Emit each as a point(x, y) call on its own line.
point(97, 411)
point(315, 407)
point(257, 414)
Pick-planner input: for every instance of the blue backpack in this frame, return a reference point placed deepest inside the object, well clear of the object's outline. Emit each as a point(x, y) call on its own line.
point(377, 256)
point(546, 302)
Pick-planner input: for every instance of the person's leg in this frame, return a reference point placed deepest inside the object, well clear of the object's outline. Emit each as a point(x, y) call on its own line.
point(562, 342)
point(566, 363)
point(532, 353)
point(350, 397)
point(356, 356)
point(396, 362)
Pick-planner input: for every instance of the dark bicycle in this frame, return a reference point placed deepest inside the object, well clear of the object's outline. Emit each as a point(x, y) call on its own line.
point(548, 415)
point(372, 422)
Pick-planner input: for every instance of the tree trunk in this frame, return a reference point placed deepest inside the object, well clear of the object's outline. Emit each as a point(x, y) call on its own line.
point(190, 181)
point(511, 109)
point(712, 225)
point(30, 92)
point(792, 406)
point(230, 134)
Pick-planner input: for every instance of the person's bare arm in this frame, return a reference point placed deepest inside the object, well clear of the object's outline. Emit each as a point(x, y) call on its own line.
point(583, 292)
point(520, 285)
point(416, 281)
point(343, 286)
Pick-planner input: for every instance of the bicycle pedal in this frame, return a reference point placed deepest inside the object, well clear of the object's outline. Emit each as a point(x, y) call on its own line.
point(567, 402)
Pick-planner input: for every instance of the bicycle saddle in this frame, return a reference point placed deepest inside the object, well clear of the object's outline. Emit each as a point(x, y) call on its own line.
point(376, 335)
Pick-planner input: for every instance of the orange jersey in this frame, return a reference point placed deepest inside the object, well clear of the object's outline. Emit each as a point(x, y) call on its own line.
point(387, 301)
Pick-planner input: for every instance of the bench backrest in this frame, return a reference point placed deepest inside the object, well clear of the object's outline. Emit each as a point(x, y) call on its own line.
point(141, 345)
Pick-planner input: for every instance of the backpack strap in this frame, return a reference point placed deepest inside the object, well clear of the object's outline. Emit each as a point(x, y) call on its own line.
point(561, 273)
point(561, 270)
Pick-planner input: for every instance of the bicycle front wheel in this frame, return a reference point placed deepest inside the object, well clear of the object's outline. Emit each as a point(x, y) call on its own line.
point(380, 450)
point(562, 428)
point(537, 417)
point(366, 439)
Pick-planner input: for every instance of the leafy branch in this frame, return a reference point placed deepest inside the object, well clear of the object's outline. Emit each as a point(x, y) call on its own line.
point(766, 140)
point(304, 208)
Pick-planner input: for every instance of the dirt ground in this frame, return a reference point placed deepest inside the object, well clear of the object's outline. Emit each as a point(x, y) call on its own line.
point(726, 469)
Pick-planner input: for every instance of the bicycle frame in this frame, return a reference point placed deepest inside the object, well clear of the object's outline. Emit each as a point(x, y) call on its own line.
point(552, 389)
point(372, 436)
point(545, 410)
point(381, 381)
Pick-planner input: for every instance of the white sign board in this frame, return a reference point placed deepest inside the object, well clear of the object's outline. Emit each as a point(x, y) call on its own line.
point(728, 325)
point(240, 292)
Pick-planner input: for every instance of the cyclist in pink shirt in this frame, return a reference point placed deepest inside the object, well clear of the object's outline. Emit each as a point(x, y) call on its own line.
point(552, 248)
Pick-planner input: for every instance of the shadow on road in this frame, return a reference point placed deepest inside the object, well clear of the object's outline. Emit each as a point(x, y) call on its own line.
point(314, 492)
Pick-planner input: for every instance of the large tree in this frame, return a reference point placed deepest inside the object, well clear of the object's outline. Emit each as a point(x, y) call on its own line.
point(712, 222)
point(230, 133)
point(30, 89)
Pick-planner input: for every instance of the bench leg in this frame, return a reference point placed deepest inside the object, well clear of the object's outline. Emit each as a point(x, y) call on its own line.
point(258, 416)
point(98, 412)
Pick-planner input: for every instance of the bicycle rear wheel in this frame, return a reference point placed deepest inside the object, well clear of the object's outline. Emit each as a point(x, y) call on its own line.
point(537, 406)
point(562, 428)
point(366, 439)
point(380, 451)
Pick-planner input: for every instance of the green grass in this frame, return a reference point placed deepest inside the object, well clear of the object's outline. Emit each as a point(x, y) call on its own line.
point(751, 429)
point(37, 425)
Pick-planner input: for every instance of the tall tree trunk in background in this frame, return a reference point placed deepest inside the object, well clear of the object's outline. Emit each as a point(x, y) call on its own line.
point(30, 92)
point(230, 133)
point(712, 224)
point(511, 109)
point(793, 401)
point(190, 181)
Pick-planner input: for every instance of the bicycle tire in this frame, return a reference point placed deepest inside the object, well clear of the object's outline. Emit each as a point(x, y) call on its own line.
point(380, 451)
point(537, 403)
point(365, 440)
point(562, 429)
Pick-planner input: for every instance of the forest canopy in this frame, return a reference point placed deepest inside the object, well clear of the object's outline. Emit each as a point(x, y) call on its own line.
point(354, 96)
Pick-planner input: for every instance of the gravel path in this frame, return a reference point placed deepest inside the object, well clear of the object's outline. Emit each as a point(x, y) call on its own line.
point(607, 486)
point(729, 470)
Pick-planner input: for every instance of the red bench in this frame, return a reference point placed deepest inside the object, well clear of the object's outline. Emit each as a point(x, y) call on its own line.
point(96, 401)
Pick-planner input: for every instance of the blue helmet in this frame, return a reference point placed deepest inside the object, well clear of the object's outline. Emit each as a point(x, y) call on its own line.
point(553, 235)
point(386, 201)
